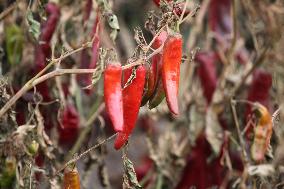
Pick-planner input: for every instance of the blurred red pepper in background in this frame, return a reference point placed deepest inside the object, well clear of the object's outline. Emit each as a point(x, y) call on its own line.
point(69, 128)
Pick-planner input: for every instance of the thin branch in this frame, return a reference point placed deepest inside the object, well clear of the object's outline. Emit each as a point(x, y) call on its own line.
point(242, 143)
point(87, 128)
point(8, 10)
point(58, 72)
point(257, 63)
point(85, 153)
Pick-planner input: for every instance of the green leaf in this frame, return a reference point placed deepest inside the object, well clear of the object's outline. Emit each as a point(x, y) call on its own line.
point(34, 26)
point(14, 43)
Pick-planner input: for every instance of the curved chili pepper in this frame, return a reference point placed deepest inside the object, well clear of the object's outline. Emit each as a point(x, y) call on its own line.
point(86, 61)
point(48, 27)
point(154, 71)
point(113, 94)
point(132, 96)
point(172, 53)
point(43, 50)
point(69, 128)
point(47, 30)
point(262, 134)
point(71, 179)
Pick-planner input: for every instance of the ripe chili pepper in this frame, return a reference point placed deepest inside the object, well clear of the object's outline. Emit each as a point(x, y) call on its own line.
point(113, 94)
point(262, 134)
point(132, 96)
point(154, 72)
point(172, 53)
point(71, 179)
point(69, 128)
point(207, 73)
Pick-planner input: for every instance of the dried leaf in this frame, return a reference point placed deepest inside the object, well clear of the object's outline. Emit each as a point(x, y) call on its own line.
point(130, 177)
point(262, 170)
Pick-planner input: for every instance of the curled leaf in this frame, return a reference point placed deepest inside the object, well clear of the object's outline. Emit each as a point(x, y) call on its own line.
point(129, 177)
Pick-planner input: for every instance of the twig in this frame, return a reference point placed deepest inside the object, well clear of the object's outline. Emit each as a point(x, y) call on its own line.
point(234, 36)
point(8, 10)
point(257, 63)
point(191, 14)
point(242, 143)
point(182, 14)
point(87, 128)
point(58, 72)
point(85, 153)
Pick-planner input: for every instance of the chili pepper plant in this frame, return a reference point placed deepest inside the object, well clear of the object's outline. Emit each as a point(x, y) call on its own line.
point(154, 94)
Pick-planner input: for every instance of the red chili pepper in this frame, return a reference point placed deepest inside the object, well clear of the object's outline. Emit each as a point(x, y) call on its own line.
point(48, 27)
point(86, 61)
point(71, 179)
point(207, 73)
point(219, 17)
point(172, 53)
point(113, 94)
point(210, 174)
point(42, 51)
point(154, 72)
point(132, 96)
point(69, 128)
point(47, 30)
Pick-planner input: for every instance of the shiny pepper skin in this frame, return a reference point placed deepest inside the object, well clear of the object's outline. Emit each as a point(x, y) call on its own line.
point(71, 180)
point(113, 94)
point(154, 71)
point(172, 53)
point(132, 96)
point(262, 134)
